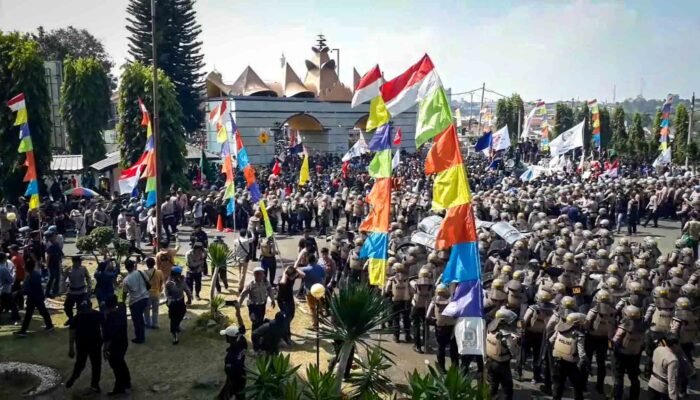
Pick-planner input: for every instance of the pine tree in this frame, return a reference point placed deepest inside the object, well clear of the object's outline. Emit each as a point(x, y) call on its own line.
point(22, 72)
point(85, 107)
point(680, 140)
point(136, 82)
point(503, 113)
point(605, 130)
point(636, 144)
point(654, 140)
point(619, 132)
point(179, 51)
point(563, 119)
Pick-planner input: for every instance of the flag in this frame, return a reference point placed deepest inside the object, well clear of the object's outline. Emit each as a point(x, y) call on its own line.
point(398, 137)
point(380, 166)
point(539, 106)
point(501, 139)
point(402, 92)
point(434, 116)
point(380, 199)
point(381, 140)
point(368, 87)
point(484, 142)
point(359, 148)
point(304, 172)
point(530, 174)
point(216, 118)
point(345, 168)
point(296, 146)
point(444, 152)
point(18, 105)
point(266, 219)
point(567, 140)
point(129, 179)
point(663, 158)
point(378, 114)
point(396, 161)
point(145, 119)
point(611, 169)
point(277, 168)
point(458, 117)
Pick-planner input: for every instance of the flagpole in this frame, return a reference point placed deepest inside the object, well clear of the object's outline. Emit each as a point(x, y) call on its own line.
point(156, 135)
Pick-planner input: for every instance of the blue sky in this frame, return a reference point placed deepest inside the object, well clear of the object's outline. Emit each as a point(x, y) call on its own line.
point(540, 49)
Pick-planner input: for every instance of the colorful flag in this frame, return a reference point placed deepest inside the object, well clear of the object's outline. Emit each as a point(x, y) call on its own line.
point(434, 116)
point(595, 121)
point(304, 172)
point(277, 168)
point(368, 87)
point(378, 114)
point(359, 148)
point(296, 146)
point(404, 91)
point(216, 118)
point(398, 137)
point(266, 219)
point(19, 105)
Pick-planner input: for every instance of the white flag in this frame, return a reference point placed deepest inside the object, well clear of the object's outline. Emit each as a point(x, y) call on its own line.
point(501, 139)
point(663, 158)
point(396, 160)
point(359, 148)
point(469, 334)
point(567, 140)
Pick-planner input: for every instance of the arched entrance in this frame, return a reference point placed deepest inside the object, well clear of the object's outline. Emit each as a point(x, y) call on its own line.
point(359, 127)
point(313, 134)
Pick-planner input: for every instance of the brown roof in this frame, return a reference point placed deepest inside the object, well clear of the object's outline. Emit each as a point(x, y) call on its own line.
point(292, 85)
point(250, 84)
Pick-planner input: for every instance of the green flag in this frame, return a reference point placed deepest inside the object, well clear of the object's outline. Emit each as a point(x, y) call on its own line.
point(380, 166)
point(434, 116)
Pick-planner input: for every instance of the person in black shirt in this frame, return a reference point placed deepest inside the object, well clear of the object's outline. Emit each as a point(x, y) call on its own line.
point(285, 300)
point(35, 297)
point(54, 260)
point(116, 342)
point(86, 337)
point(234, 362)
point(267, 336)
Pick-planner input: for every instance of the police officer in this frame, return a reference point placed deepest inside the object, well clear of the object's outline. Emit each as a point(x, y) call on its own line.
point(534, 323)
point(628, 343)
point(355, 262)
point(658, 318)
point(600, 324)
point(502, 344)
point(422, 293)
point(444, 326)
point(685, 326)
point(666, 371)
point(398, 288)
point(569, 355)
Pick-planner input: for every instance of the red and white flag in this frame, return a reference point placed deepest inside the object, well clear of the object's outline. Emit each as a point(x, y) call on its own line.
point(277, 168)
point(129, 177)
point(368, 87)
point(345, 169)
point(398, 137)
point(404, 91)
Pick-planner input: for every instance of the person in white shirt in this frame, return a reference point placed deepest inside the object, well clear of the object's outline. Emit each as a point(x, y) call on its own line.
point(136, 289)
point(121, 224)
point(7, 279)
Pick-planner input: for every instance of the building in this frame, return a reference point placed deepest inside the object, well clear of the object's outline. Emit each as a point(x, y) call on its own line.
point(318, 107)
point(53, 74)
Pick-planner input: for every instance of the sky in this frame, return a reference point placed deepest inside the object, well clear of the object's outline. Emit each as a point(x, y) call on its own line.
point(546, 49)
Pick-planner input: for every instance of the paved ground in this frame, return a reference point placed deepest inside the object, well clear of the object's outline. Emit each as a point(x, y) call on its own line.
point(406, 359)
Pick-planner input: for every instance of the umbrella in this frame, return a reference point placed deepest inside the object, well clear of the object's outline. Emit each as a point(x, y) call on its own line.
point(80, 192)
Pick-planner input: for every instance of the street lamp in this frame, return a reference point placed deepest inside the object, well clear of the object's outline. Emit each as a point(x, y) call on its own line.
point(317, 291)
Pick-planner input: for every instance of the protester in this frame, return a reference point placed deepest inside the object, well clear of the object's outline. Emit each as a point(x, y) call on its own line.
point(35, 298)
point(157, 283)
point(136, 289)
point(116, 342)
point(175, 291)
point(86, 337)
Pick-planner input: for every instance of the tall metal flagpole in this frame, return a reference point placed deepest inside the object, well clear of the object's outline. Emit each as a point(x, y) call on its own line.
point(156, 135)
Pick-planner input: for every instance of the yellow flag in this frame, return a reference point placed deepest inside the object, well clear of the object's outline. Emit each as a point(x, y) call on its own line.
point(377, 272)
point(21, 117)
point(222, 134)
point(378, 114)
point(663, 146)
point(34, 202)
point(266, 219)
point(304, 173)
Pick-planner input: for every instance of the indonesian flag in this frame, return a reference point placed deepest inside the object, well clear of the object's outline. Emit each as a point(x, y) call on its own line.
point(404, 91)
point(345, 169)
point(277, 168)
point(611, 169)
point(129, 177)
point(368, 87)
point(17, 103)
point(398, 137)
point(216, 118)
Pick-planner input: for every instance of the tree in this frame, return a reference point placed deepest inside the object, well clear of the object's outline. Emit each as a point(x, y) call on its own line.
point(605, 130)
point(136, 82)
point(636, 144)
point(583, 114)
point(85, 106)
point(179, 51)
point(680, 141)
point(563, 119)
point(61, 44)
point(654, 140)
point(503, 113)
point(517, 107)
point(619, 131)
point(22, 72)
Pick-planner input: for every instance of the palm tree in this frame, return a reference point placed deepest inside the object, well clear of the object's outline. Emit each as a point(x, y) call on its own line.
point(219, 256)
point(355, 313)
point(272, 377)
point(371, 380)
point(452, 385)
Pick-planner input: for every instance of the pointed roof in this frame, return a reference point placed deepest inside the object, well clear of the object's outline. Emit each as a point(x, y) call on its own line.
point(292, 85)
point(250, 84)
point(355, 78)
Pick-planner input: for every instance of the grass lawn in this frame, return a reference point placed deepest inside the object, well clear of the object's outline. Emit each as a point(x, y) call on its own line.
point(191, 370)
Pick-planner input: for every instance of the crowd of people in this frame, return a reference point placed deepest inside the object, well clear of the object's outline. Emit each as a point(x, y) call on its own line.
point(558, 302)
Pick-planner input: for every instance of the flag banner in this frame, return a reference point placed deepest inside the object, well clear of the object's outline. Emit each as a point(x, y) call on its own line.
point(375, 246)
point(567, 140)
point(378, 114)
point(463, 264)
point(266, 219)
point(304, 172)
point(434, 116)
point(484, 142)
point(377, 272)
point(381, 140)
point(380, 166)
point(450, 188)
point(32, 188)
point(34, 202)
point(398, 137)
point(359, 148)
point(296, 144)
point(470, 335)
point(25, 145)
point(255, 194)
point(663, 159)
point(444, 152)
point(276, 168)
point(396, 161)
point(129, 179)
point(379, 199)
point(30, 163)
point(404, 91)
point(216, 118)
point(368, 87)
point(467, 301)
point(231, 206)
point(458, 226)
point(501, 139)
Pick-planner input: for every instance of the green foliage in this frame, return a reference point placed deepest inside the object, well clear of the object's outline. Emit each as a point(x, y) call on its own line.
point(219, 255)
point(507, 114)
point(619, 132)
point(319, 385)
point(451, 385)
point(22, 71)
point(636, 143)
point(103, 236)
point(87, 244)
point(693, 153)
point(85, 106)
point(121, 249)
point(680, 141)
point(563, 119)
point(179, 50)
point(137, 82)
point(271, 377)
point(61, 44)
point(372, 379)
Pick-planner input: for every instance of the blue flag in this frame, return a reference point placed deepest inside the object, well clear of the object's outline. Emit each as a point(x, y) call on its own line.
point(484, 142)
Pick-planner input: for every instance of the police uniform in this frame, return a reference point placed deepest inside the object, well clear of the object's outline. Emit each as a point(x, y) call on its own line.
point(658, 318)
point(600, 324)
point(569, 355)
point(444, 328)
point(501, 346)
point(534, 324)
point(422, 293)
